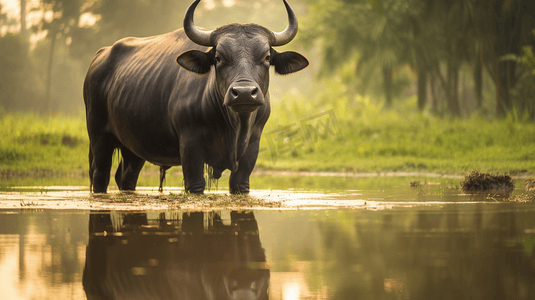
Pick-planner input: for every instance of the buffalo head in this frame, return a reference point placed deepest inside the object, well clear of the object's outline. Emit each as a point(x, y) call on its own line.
point(241, 56)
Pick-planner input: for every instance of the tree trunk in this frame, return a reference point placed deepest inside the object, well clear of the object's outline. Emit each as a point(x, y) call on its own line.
point(478, 80)
point(387, 82)
point(503, 86)
point(516, 24)
point(434, 96)
point(23, 30)
point(438, 88)
point(49, 71)
point(422, 87)
point(452, 90)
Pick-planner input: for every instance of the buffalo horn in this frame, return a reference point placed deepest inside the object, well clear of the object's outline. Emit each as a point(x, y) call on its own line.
point(284, 37)
point(198, 36)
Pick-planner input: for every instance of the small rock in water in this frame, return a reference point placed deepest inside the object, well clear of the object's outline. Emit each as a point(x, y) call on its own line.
point(480, 182)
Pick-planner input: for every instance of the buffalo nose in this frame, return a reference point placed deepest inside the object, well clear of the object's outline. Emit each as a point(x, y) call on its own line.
point(244, 92)
point(244, 98)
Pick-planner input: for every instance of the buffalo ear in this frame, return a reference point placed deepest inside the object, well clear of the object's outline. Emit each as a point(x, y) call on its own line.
point(288, 62)
point(196, 61)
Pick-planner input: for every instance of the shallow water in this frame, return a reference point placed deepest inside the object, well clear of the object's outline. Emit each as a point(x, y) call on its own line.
point(367, 191)
point(429, 242)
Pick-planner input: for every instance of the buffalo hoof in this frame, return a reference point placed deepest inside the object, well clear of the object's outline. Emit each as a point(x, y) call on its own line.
point(194, 192)
point(196, 187)
point(239, 191)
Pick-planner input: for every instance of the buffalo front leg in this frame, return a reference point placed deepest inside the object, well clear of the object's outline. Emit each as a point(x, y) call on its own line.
point(193, 169)
point(239, 180)
point(128, 171)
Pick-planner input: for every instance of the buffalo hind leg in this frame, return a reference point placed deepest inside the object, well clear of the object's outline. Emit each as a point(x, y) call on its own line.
point(101, 151)
point(91, 170)
point(162, 176)
point(128, 171)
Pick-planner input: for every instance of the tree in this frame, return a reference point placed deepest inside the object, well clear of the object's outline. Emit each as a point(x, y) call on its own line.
point(23, 29)
point(77, 42)
point(19, 85)
point(59, 21)
point(508, 26)
point(525, 92)
point(436, 38)
point(445, 46)
point(376, 31)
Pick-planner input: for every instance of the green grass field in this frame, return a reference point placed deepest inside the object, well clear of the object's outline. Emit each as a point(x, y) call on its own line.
point(356, 137)
point(48, 145)
point(370, 141)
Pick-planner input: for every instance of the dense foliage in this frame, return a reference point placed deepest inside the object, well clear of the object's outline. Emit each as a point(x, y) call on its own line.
point(450, 54)
point(453, 50)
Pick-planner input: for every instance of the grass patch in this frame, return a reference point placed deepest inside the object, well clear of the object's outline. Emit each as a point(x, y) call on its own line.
point(42, 145)
point(364, 137)
point(344, 136)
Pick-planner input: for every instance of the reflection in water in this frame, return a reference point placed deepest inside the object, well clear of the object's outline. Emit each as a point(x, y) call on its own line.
point(469, 251)
point(446, 254)
point(188, 256)
point(41, 254)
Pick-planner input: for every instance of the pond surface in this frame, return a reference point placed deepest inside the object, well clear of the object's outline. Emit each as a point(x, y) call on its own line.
point(425, 242)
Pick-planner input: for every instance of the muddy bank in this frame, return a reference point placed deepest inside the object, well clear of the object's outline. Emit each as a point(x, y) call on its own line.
point(149, 198)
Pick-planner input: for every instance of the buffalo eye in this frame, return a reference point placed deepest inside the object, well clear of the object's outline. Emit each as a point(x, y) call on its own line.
point(268, 58)
point(217, 59)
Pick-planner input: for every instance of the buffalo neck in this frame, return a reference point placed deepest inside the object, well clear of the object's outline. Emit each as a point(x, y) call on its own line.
point(231, 128)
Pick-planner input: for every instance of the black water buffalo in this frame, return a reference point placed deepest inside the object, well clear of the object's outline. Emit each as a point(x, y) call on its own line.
point(210, 108)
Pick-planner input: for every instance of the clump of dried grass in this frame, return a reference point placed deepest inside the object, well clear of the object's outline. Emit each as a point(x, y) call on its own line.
point(529, 185)
point(478, 181)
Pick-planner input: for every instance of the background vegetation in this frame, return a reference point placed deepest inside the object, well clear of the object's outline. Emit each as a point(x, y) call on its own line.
point(418, 85)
